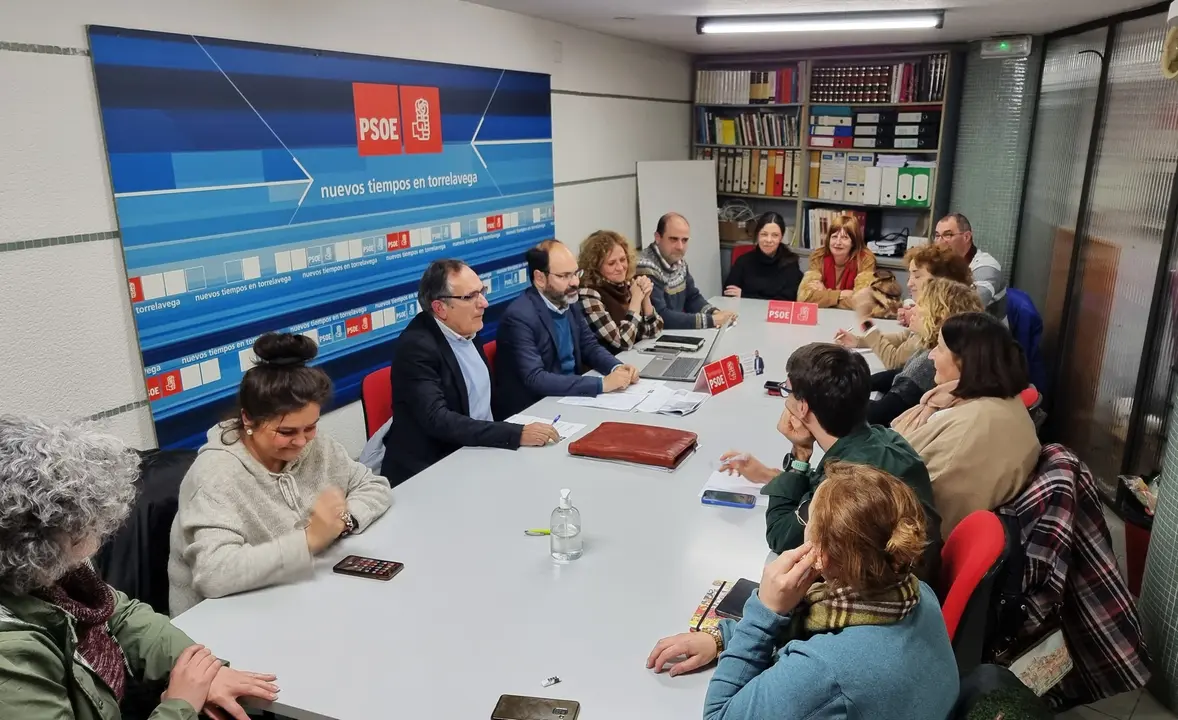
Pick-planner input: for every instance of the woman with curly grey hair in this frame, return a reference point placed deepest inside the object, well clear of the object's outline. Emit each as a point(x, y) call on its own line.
point(68, 641)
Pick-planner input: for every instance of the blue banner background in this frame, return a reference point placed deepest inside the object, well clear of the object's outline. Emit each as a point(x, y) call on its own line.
point(245, 206)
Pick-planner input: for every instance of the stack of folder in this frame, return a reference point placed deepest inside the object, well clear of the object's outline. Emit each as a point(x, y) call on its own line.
point(892, 130)
point(865, 179)
point(772, 173)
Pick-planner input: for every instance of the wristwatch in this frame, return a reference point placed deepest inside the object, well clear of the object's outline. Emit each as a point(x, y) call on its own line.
point(866, 326)
point(797, 465)
point(349, 525)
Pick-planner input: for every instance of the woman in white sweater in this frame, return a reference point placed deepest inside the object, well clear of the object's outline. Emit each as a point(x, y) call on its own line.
point(266, 494)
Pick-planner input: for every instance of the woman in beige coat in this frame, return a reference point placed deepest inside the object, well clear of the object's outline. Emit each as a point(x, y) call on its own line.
point(973, 431)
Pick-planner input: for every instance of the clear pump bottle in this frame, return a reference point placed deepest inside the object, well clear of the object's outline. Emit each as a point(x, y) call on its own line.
point(565, 539)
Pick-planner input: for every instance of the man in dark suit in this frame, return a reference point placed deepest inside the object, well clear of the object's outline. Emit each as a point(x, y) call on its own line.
point(441, 381)
point(544, 339)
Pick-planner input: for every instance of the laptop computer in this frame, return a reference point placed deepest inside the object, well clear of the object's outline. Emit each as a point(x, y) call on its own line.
point(680, 369)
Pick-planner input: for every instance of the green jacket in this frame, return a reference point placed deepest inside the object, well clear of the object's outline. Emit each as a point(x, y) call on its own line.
point(43, 677)
point(872, 445)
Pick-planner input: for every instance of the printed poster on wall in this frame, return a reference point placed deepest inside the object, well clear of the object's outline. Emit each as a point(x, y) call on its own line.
point(261, 187)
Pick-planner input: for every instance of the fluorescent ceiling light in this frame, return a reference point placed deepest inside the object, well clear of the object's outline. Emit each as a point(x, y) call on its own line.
point(824, 22)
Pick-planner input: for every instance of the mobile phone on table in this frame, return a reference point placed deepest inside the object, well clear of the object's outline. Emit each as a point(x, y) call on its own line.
point(367, 567)
point(520, 707)
point(773, 388)
point(732, 606)
point(729, 499)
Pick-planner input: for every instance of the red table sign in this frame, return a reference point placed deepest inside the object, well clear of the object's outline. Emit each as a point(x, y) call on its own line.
point(722, 374)
point(805, 314)
point(780, 311)
point(791, 313)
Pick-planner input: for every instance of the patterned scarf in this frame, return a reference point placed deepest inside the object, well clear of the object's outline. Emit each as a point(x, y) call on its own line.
point(939, 398)
point(84, 595)
point(830, 277)
point(828, 609)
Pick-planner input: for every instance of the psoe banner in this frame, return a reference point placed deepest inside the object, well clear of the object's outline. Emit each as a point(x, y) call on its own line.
point(261, 187)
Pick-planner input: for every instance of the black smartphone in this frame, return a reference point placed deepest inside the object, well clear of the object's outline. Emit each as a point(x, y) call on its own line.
point(520, 707)
point(366, 567)
point(732, 606)
point(773, 388)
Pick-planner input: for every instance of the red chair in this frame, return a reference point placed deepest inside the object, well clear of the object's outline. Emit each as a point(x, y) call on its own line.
point(971, 558)
point(489, 351)
point(739, 250)
point(376, 399)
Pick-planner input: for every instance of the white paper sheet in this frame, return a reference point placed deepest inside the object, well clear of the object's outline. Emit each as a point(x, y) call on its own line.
point(622, 400)
point(566, 429)
point(672, 402)
point(734, 483)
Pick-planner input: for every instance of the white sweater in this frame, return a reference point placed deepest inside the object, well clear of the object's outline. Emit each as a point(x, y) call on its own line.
point(241, 527)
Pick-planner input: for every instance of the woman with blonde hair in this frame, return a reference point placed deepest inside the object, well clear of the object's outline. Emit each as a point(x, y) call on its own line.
point(840, 268)
point(616, 304)
point(895, 349)
point(839, 627)
point(940, 300)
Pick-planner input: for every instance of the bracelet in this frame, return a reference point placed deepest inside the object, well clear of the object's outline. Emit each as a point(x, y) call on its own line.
point(718, 637)
point(349, 525)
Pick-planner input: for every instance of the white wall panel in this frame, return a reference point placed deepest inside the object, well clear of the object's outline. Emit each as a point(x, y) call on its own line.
point(69, 344)
point(54, 180)
point(598, 137)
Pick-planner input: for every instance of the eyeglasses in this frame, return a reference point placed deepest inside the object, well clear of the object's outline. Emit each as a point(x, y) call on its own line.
point(484, 291)
point(567, 276)
point(946, 236)
point(803, 518)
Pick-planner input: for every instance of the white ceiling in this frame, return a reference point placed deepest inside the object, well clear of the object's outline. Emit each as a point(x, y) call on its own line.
point(671, 23)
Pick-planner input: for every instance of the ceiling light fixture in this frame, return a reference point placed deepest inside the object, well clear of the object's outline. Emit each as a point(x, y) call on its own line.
point(821, 22)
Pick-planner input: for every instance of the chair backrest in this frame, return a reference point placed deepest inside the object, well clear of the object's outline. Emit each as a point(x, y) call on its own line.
point(970, 559)
point(135, 559)
point(739, 250)
point(376, 398)
point(489, 351)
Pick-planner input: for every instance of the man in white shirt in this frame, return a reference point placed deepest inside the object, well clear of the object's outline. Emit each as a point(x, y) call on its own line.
point(955, 231)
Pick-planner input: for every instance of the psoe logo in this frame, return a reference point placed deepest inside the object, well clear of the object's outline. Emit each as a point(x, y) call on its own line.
point(383, 112)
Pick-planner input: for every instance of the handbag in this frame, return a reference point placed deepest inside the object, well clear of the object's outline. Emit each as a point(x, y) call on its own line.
point(648, 445)
point(886, 295)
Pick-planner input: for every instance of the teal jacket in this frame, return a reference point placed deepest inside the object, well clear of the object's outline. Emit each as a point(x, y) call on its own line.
point(42, 676)
point(872, 445)
point(906, 670)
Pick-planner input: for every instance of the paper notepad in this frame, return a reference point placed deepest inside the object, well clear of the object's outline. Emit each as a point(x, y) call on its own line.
point(734, 483)
point(566, 429)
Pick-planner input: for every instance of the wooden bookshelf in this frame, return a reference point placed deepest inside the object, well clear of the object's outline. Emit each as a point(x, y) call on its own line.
point(887, 81)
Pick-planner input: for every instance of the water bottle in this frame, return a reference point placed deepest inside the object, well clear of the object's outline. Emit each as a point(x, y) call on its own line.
point(566, 530)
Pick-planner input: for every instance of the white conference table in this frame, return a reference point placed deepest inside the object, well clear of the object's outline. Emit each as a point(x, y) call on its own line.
point(481, 609)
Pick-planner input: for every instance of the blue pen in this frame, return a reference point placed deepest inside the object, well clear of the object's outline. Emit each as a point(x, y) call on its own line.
point(555, 420)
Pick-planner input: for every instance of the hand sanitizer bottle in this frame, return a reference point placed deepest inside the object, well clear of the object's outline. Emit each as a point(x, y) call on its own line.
point(566, 530)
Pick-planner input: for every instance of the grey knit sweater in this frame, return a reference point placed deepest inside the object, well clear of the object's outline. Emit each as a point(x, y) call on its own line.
point(241, 527)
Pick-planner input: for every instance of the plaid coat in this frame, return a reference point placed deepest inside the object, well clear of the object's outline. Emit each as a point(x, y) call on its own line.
point(1070, 579)
point(618, 336)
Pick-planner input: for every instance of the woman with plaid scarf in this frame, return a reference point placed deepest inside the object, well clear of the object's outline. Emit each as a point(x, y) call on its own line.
point(840, 627)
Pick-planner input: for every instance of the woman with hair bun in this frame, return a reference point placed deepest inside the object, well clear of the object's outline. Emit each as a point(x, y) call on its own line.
point(265, 494)
point(840, 627)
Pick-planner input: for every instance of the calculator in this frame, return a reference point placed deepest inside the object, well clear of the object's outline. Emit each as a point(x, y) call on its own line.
point(368, 567)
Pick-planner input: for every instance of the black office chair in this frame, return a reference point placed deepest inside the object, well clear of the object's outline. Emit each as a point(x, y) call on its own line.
point(992, 691)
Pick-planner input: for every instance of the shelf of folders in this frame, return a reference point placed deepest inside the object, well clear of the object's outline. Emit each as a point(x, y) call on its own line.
point(755, 172)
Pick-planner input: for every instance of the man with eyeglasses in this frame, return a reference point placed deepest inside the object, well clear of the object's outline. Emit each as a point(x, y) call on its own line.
point(442, 382)
point(955, 231)
point(545, 340)
point(826, 392)
point(675, 297)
